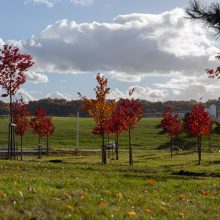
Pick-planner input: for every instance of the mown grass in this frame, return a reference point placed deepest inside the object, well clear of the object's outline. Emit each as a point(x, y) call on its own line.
point(146, 135)
point(81, 188)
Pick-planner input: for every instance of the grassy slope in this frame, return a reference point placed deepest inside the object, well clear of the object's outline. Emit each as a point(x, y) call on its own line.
point(145, 136)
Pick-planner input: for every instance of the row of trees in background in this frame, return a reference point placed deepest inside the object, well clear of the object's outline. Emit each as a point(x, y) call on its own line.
point(40, 124)
point(112, 117)
point(198, 123)
point(63, 107)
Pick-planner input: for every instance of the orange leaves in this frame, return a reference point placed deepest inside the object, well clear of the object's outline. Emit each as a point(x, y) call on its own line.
point(151, 182)
point(100, 108)
point(205, 193)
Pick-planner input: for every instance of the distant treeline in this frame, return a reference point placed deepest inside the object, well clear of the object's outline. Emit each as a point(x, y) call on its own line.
point(62, 107)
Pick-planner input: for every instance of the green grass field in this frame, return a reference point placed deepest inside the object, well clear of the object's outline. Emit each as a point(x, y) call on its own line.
point(146, 135)
point(79, 187)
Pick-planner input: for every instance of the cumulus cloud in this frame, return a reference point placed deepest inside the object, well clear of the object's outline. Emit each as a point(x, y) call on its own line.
point(179, 88)
point(58, 95)
point(129, 48)
point(35, 77)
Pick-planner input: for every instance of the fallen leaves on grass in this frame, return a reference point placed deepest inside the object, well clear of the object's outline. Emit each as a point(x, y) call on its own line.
point(205, 193)
point(119, 196)
point(148, 210)
point(181, 197)
point(132, 213)
point(2, 195)
point(102, 203)
point(151, 182)
point(69, 207)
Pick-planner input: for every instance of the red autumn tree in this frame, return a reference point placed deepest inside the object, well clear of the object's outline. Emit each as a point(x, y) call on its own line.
point(99, 109)
point(13, 66)
point(21, 119)
point(49, 130)
point(38, 123)
point(199, 124)
point(172, 124)
point(132, 113)
point(116, 124)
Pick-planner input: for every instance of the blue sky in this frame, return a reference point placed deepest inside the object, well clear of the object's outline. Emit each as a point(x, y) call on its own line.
point(144, 44)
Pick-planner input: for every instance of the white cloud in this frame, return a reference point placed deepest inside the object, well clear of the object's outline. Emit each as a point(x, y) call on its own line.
point(58, 95)
point(52, 3)
point(48, 3)
point(178, 88)
point(130, 48)
point(82, 2)
point(25, 94)
point(36, 77)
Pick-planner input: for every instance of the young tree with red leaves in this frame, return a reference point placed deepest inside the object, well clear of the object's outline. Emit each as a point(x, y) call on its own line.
point(172, 124)
point(21, 119)
point(116, 124)
point(49, 131)
point(199, 124)
point(100, 109)
point(132, 113)
point(39, 124)
point(13, 66)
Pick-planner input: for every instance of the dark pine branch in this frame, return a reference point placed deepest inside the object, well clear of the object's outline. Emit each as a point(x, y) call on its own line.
point(208, 15)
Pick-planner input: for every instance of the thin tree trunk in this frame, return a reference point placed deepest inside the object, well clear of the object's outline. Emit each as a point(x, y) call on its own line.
point(103, 148)
point(116, 146)
point(130, 147)
point(21, 147)
point(11, 138)
point(199, 150)
point(171, 146)
point(47, 146)
point(39, 148)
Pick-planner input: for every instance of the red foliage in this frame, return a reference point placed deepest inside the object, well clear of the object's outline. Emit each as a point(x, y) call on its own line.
point(41, 124)
point(214, 73)
point(199, 122)
point(12, 69)
point(21, 117)
point(131, 111)
point(171, 123)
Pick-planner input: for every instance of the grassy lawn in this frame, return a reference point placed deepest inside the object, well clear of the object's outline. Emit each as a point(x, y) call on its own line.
point(81, 188)
point(147, 135)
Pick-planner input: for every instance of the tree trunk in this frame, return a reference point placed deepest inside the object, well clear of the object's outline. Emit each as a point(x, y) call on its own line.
point(171, 146)
point(116, 146)
point(103, 148)
point(199, 150)
point(21, 147)
point(47, 146)
point(130, 147)
point(39, 148)
point(11, 138)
